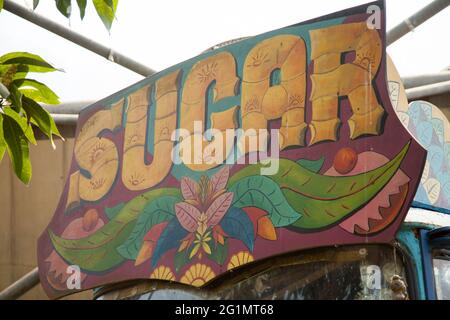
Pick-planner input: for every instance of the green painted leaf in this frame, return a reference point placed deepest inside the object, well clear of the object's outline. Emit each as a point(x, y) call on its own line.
point(42, 118)
point(64, 6)
point(325, 200)
point(111, 213)
point(264, 193)
point(35, 4)
point(312, 165)
point(15, 97)
point(319, 213)
point(17, 147)
point(34, 62)
point(36, 90)
point(219, 252)
point(106, 10)
point(155, 212)
point(1, 4)
point(25, 127)
point(82, 7)
point(97, 252)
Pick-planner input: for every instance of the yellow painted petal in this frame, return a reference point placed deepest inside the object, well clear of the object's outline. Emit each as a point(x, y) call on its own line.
point(194, 251)
point(206, 248)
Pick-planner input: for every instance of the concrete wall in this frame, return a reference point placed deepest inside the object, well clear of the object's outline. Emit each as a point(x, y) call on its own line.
point(26, 210)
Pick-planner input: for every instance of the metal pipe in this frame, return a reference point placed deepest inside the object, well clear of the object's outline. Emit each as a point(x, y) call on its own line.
point(416, 20)
point(425, 79)
point(428, 90)
point(21, 286)
point(77, 38)
point(74, 107)
point(65, 119)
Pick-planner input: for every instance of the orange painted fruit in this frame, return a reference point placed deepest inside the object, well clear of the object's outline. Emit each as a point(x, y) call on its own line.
point(345, 160)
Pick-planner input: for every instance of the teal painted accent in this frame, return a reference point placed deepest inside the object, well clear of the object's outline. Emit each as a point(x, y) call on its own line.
point(411, 244)
point(275, 78)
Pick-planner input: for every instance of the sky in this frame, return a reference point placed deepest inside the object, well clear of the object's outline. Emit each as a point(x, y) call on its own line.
point(160, 34)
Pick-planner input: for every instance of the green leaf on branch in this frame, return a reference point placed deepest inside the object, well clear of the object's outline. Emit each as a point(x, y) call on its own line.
point(15, 97)
point(37, 91)
point(35, 4)
point(2, 139)
point(34, 62)
point(26, 128)
point(42, 118)
point(106, 10)
point(65, 7)
point(82, 6)
point(18, 151)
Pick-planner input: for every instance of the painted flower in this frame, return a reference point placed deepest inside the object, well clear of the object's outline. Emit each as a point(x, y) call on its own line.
point(197, 275)
point(239, 259)
point(205, 203)
point(162, 273)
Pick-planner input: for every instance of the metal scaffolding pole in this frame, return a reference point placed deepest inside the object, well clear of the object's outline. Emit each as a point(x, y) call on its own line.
point(21, 286)
point(416, 20)
point(78, 39)
point(428, 90)
point(425, 79)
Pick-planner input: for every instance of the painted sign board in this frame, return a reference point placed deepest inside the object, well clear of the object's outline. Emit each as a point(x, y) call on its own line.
point(280, 142)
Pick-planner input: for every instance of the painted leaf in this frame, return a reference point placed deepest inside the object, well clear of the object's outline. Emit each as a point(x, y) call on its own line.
point(220, 179)
point(325, 200)
point(188, 215)
point(25, 126)
point(97, 252)
point(170, 238)
point(266, 230)
point(155, 212)
point(218, 208)
point(264, 193)
point(312, 165)
point(189, 188)
point(113, 211)
point(145, 252)
point(237, 224)
point(219, 252)
point(370, 219)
